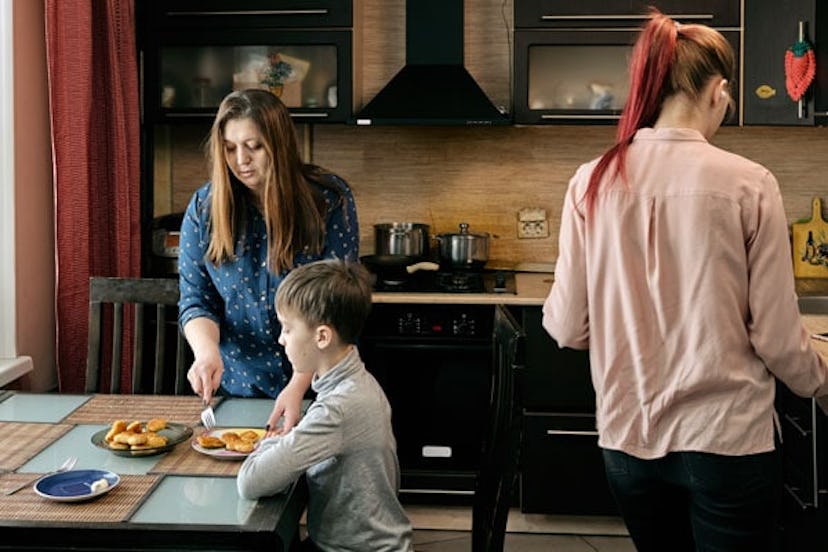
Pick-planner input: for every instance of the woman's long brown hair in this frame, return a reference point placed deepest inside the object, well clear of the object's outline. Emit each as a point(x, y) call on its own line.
point(294, 212)
point(667, 59)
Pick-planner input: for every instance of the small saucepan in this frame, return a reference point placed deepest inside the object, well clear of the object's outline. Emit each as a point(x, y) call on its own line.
point(395, 268)
point(464, 249)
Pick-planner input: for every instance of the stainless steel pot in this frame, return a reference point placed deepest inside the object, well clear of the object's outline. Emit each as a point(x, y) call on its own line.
point(464, 249)
point(401, 238)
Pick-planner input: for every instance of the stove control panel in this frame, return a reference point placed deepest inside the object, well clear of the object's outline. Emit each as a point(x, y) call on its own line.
point(433, 321)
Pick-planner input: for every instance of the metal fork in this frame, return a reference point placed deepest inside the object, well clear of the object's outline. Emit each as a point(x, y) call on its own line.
point(208, 418)
point(67, 465)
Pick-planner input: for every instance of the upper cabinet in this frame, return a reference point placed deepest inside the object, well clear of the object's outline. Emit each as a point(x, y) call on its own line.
point(771, 29)
point(195, 53)
point(571, 57)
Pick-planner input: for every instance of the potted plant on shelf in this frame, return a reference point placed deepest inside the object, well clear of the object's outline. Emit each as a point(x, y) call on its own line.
point(275, 74)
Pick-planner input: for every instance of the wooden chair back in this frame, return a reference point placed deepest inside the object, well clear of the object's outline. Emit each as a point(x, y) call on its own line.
point(154, 302)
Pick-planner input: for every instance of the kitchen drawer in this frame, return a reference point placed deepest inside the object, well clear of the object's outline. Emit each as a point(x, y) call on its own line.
point(622, 13)
point(555, 379)
point(562, 468)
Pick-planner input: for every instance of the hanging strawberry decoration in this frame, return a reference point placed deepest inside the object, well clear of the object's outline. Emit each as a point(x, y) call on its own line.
point(800, 68)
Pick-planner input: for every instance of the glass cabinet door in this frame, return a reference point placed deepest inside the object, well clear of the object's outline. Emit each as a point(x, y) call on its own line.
point(309, 71)
point(303, 76)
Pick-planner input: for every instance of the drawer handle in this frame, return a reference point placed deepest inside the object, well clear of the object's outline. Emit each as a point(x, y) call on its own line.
point(792, 491)
point(624, 17)
point(793, 421)
point(250, 12)
point(316, 115)
point(571, 432)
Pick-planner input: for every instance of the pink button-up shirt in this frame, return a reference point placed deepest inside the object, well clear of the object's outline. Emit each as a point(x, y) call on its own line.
point(681, 286)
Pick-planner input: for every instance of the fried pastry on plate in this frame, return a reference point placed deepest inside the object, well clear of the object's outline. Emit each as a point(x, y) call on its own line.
point(250, 436)
point(209, 441)
point(135, 427)
point(156, 424)
point(117, 427)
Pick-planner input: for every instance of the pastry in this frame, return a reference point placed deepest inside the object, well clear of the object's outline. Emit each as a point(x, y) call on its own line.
point(156, 424)
point(209, 441)
point(117, 427)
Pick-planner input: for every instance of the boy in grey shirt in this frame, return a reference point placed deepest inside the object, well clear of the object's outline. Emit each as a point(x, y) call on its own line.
point(344, 443)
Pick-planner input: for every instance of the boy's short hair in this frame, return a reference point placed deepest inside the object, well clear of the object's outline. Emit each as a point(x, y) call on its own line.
point(331, 292)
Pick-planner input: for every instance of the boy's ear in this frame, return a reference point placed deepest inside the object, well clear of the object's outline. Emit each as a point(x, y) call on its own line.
point(324, 336)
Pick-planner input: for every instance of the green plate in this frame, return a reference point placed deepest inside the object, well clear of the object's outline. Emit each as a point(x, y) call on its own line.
point(175, 434)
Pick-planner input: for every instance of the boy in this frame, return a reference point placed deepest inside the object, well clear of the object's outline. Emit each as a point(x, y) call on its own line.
point(344, 443)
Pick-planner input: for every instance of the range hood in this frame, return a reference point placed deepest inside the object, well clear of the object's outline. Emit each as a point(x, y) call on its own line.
point(434, 88)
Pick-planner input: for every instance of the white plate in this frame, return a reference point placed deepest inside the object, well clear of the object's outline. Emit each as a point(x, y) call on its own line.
point(75, 485)
point(223, 453)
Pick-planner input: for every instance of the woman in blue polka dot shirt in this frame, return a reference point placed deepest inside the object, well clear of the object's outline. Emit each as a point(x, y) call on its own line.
point(263, 213)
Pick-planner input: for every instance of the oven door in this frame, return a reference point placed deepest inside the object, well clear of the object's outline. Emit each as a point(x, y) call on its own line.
point(439, 391)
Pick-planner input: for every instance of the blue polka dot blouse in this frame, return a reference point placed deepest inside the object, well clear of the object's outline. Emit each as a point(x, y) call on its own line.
point(239, 295)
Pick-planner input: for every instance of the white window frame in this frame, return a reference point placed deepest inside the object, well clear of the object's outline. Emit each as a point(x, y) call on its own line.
point(12, 366)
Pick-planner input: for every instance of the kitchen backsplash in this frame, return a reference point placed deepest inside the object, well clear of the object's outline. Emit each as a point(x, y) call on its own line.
point(443, 176)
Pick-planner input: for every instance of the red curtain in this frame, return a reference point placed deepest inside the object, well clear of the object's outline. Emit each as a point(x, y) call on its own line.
point(93, 94)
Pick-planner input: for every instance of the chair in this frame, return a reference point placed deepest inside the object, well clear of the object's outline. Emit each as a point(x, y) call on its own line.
point(107, 298)
point(496, 479)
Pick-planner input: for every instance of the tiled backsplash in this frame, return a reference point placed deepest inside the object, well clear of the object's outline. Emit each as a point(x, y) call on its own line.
point(442, 176)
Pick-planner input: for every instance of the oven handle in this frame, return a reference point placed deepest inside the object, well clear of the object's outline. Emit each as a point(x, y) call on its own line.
point(433, 346)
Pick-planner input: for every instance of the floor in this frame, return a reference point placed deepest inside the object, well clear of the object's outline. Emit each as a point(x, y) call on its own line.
point(446, 529)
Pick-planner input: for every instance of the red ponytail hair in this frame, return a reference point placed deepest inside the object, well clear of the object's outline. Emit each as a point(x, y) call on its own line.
point(652, 58)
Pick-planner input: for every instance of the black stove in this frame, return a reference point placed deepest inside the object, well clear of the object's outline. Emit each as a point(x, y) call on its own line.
point(452, 281)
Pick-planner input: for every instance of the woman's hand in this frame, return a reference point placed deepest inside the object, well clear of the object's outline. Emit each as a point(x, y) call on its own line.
point(205, 373)
point(289, 405)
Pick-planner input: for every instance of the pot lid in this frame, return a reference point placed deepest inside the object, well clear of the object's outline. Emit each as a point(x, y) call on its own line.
point(464, 231)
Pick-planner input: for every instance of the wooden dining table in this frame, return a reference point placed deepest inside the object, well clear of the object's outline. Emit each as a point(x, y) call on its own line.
point(177, 500)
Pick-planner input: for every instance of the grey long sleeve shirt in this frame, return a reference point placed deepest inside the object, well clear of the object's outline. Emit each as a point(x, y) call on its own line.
point(346, 446)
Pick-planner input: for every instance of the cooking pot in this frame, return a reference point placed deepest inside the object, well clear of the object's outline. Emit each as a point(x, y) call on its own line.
point(464, 249)
point(401, 238)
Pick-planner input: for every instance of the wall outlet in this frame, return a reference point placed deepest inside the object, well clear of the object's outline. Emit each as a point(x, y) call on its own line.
point(532, 223)
point(533, 229)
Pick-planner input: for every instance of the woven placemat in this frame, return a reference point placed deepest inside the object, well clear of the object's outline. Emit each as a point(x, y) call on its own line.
point(116, 505)
point(185, 460)
point(22, 440)
point(105, 409)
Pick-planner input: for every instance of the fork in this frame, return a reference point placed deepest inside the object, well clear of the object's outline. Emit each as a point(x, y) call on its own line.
point(67, 465)
point(208, 418)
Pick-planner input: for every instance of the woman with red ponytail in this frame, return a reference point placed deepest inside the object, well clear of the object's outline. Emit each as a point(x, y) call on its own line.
point(674, 271)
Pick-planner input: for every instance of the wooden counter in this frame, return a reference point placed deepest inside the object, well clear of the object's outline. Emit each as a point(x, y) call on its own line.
point(532, 289)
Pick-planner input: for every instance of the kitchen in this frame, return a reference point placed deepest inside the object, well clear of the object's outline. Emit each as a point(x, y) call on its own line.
point(437, 175)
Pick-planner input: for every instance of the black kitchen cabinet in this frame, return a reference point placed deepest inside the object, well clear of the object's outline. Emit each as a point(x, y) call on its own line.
point(571, 58)
point(770, 29)
point(804, 428)
point(561, 466)
point(195, 53)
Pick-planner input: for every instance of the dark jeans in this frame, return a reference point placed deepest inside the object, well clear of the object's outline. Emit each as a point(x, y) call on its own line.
point(697, 501)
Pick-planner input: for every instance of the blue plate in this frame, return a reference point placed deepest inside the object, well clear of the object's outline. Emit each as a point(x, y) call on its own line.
point(75, 485)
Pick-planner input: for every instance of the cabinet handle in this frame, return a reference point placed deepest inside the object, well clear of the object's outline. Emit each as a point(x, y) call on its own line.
point(624, 17)
point(316, 115)
point(792, 491)
point(793, 421)
point(571, 432)
point(801, 108)
point(587, 117)
point(319, 11)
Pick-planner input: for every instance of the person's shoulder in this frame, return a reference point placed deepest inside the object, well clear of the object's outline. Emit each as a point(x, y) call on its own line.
point(739, 165)
point(325, 179)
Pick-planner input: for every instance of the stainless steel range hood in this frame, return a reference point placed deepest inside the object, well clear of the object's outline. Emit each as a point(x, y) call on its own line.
point(434, 87)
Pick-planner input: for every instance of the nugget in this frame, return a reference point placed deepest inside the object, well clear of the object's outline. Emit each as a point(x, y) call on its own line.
point(209, 441)
point(118, 446)
point(250, 436)
point(117, 427)
point(241, 446)
point(137, 439)
point(156, 424)
point(156, 441)
point(123, 437)
point(135, 427)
